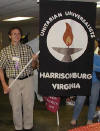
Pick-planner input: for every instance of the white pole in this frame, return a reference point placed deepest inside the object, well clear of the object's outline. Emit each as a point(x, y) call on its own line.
point(57, 118)
point(22, 71)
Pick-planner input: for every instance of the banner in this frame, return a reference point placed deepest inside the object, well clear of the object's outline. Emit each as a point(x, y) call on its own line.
point(52, 103)
point(66, 47)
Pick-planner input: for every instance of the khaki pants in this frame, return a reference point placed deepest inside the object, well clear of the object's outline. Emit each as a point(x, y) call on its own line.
point(21, 98)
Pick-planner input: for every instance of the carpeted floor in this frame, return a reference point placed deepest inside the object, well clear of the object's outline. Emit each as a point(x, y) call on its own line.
point(44, 120)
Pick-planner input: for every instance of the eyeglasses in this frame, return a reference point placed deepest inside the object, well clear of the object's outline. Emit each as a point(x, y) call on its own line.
point(15, 34)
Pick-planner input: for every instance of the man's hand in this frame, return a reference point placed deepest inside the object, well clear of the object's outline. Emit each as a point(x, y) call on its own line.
point(4, 84)
point(35, 57)
point(35, 63)
point(6, 88)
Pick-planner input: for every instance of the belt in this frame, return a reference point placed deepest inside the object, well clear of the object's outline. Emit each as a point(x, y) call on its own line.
point(22, 78)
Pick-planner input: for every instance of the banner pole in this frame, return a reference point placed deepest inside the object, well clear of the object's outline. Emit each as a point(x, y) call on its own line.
point(22, 71)
point(57, 118)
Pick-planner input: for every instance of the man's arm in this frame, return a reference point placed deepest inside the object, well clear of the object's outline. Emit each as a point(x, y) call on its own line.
point(4, 84)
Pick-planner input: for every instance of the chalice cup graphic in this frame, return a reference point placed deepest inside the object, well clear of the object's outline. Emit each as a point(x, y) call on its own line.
point(68, 39)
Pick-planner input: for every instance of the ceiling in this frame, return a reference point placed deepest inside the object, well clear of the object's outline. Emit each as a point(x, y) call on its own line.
point(13, 8)
point(9, 8)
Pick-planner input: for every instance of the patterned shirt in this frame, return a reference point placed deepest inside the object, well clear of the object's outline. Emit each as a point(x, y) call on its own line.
point(14, 58)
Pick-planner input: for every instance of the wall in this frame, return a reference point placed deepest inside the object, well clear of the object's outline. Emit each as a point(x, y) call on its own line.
point(98, 33)
point(31, 27)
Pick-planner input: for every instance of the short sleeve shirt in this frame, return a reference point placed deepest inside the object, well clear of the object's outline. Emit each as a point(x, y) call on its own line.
point(14, 58)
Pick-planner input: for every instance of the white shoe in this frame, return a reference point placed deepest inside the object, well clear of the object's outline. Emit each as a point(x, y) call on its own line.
point(71, 103)
point(89, 122)
point(40, 98)
point(73, 122)
point(97, 114)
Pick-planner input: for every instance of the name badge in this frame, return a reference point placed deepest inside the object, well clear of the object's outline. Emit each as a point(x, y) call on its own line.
point(14, 58)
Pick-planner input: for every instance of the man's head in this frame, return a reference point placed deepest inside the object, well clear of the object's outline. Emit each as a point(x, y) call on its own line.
point(15, 34)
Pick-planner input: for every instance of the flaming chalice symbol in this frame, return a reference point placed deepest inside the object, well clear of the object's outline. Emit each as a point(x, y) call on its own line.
point(68, 35)
point(68, 39)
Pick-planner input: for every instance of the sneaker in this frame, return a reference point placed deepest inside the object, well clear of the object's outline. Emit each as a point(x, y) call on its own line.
point(73, 122)
point(40, 98)
point(89, 122)
point(97, 114)
point(98, 120)
point(71, 103)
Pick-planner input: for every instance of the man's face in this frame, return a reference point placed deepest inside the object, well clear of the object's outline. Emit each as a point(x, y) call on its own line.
point(15, 36)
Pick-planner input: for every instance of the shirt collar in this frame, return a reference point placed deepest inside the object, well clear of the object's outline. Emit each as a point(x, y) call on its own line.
point(16, 46)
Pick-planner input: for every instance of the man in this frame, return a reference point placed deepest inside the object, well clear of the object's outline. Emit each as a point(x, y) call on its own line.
point(21, 95)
